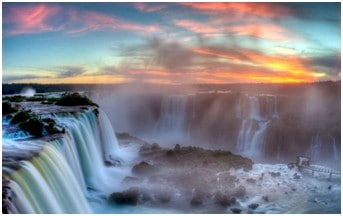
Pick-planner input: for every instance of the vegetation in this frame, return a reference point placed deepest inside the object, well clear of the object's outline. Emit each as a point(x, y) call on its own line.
point(16, 98)
point(7, 108)
point(74, 99)
point(31, 123)
point(67, 99)
point(21, 116)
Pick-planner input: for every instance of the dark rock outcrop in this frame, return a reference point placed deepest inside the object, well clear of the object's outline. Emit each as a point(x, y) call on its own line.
point(143, 168)
point(128, 197)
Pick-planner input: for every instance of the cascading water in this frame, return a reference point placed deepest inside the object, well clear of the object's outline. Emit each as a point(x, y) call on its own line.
point(56, 176)
point(172, 121)
point(47, 185)
point(250, 141)
point(334, 150)
point(315, 149)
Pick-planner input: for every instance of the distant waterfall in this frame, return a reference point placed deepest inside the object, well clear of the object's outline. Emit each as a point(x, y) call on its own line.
point(272, 109)
point(251, 136)
point(56, 181)
point(172, 121)
point(334, 150)
point(315, 149)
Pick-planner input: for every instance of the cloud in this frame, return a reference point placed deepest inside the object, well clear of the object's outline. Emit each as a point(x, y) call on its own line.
point(264, 31)
point(329, 63)
point(172, 55)
point(15, 78)
point(269, 10)
point(148, 7)
point(198, 27)
point(67, 71)
point(291, 67)
point(83, 21)
point(30, 19)
point(41, 18)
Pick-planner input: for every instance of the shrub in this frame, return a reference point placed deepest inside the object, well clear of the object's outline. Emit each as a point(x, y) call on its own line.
point(16, 98)
point(74, 99)
point(21, 116)
point(33, 125)
point(7, 108)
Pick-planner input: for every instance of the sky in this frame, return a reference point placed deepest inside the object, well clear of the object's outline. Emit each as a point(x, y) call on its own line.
point(170, 43)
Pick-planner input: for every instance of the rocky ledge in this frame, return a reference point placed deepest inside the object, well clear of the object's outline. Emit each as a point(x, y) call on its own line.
point(189, 177)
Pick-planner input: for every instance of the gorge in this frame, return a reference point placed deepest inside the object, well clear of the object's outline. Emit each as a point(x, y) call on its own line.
point(165, 143)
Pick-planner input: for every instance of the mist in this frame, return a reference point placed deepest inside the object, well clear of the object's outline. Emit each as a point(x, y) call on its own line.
point(281, 121)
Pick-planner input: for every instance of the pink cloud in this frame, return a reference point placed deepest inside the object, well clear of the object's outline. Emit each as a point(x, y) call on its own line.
point(151, 7)
point(197, 27)
point(41, 18)
point(31, 19)
point(264, 31)
point(259, 9)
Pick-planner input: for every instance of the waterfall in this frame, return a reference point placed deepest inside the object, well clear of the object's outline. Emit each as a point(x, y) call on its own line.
point(172, 121)
point(250, 141)
point(54, 176)
point(254, 108)
point(334, 150)
point(47, 185)
point(315, 149)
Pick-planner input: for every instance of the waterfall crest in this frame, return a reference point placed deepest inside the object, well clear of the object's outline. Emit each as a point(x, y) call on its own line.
point(64, 168)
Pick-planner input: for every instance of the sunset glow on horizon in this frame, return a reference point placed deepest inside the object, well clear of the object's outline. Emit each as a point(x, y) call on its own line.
point(171, 43)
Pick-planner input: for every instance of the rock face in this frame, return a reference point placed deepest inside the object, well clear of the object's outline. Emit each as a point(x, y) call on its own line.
point(183, 175)
point(143, 168)
point(128, 197)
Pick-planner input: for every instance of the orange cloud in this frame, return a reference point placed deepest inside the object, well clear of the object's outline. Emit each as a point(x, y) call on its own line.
point(264, 31)
point(252, 66)
point(197, 27)
point(30, 19)
point(260, 9)
point(293, 66)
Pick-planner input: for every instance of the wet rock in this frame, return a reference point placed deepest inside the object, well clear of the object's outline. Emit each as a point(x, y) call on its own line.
point(155, 146)
point(253, 206)
point(196, 201)
point(164, 196)
point(170, 153)
point(329, 188)
point(251, 180)
point(223, 200)
point(177, 148)
point(296, 176)
point(143, 168)
point(275, 174)
point(128, 197)
point(291, 165)
point(236, 210)
point(239, 191)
